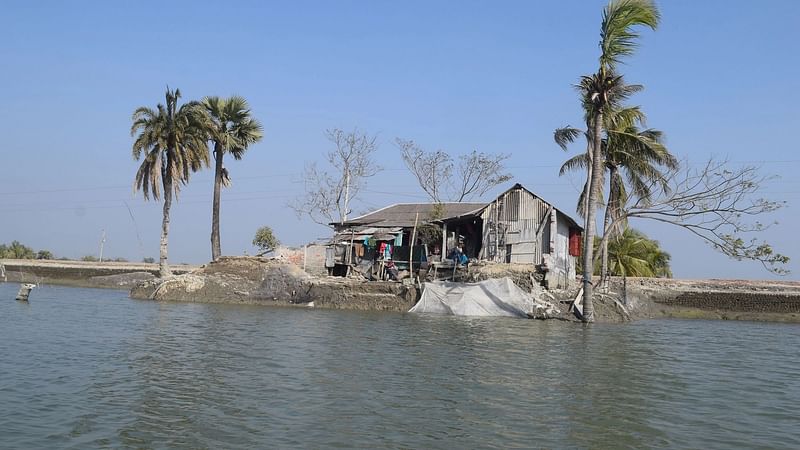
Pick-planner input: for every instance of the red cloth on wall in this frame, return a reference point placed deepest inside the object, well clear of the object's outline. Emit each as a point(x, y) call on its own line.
point(574, 242)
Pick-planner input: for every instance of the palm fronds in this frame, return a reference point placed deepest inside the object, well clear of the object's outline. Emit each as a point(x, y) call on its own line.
point(618, 37)
point(173, 142)
point(633, 254)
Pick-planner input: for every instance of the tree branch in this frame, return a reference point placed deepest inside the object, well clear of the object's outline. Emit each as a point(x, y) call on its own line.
point(719, 204)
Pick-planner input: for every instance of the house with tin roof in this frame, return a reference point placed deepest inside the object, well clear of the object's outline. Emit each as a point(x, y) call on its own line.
point(516, 227)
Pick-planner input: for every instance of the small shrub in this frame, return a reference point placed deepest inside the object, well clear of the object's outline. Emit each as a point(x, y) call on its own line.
point(265, 240)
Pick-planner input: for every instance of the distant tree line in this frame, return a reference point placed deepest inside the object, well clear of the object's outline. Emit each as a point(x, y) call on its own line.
point(17, 250)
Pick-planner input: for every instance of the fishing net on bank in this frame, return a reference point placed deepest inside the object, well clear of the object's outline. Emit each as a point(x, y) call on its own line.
point(493, 297)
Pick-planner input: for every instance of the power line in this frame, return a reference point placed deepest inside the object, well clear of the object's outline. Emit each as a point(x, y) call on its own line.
point(302, 175)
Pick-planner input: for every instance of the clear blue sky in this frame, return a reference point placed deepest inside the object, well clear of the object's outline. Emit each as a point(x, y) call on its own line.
point(722, 78)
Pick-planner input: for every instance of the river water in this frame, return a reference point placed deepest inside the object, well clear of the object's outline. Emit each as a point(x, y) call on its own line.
point(85, 368)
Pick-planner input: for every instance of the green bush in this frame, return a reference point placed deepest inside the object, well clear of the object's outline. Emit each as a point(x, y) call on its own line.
point(265, 240)
point(16, 251)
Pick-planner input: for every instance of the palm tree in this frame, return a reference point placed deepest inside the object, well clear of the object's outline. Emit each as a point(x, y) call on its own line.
point(617, 113)
point(172, 144)
point(632, 157)
point(633, 254)
point(16, 250)
point(617, 40)
point(640, 155)
point(232, 130)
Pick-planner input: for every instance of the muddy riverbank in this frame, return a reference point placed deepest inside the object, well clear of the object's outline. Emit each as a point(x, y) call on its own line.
point(259, 281)
point(251, 280)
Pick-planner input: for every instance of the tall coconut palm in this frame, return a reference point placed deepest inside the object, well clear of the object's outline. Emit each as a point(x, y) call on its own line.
point(172, 144)
point(618, 39)
point(232, 130)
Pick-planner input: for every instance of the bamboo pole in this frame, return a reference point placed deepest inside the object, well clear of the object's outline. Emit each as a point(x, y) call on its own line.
point(350, 253)
point(411, 250)
point(444, 242)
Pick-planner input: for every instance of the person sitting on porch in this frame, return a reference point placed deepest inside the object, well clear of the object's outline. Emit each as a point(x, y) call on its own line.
point(458, 257)
point(391, 271)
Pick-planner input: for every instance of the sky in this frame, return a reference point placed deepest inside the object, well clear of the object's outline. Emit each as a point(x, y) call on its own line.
point(721, 79)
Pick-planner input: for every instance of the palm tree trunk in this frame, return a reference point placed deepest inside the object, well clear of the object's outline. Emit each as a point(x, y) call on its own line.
point(589, 151)
point(612, 199)
point(604, 252)
point(163, 266)
point(591, 212)
point(215, 244)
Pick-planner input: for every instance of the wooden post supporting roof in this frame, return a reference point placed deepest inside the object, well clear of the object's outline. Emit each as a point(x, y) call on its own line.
point(411, 251)
point(444, 241)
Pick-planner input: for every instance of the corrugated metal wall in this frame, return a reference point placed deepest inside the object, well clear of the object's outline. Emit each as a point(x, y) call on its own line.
point(510, 225)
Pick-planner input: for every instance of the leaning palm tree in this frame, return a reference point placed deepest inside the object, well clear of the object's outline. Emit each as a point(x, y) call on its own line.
point(232, 130)
point(172, 144)
point(618, 39)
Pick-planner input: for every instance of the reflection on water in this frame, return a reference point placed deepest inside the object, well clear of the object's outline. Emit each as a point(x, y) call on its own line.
point(84, 368)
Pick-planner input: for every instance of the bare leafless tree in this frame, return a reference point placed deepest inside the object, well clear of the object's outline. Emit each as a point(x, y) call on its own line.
point(328, 193)
point(720, 204)
point(432, 169)
point(445, 180)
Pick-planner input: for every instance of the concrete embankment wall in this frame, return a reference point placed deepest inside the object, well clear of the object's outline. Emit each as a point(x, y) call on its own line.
point(739, 301)
point(81, 273)
point(713, 299)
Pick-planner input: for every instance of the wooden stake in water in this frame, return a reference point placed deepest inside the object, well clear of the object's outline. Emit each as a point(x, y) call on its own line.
point(24, 291)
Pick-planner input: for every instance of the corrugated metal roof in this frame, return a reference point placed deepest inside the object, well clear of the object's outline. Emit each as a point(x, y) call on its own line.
point(403, 214)
point(359, 233)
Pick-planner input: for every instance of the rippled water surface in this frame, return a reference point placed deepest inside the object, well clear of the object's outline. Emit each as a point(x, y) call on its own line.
point(82, 368)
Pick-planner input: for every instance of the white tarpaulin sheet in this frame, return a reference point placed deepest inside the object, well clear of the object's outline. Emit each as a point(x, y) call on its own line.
point(493, 297)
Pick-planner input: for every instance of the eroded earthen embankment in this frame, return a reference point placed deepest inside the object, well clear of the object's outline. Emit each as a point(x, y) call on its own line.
point(116, 275)
point(251, 280)
point(261, 281)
